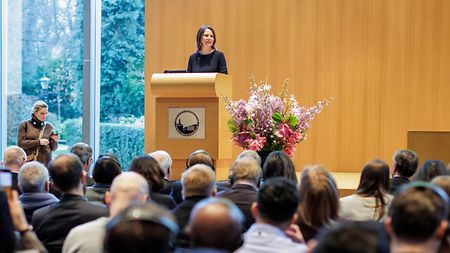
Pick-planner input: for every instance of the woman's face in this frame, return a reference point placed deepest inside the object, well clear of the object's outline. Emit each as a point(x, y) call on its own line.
point(41, 114)
point(207, 39)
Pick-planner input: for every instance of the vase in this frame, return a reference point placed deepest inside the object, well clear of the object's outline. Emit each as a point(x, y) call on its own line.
point(264, 154)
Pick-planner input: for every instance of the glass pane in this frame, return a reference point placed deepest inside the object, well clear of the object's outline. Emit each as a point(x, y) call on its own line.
point(122, 79)
point(45, 39)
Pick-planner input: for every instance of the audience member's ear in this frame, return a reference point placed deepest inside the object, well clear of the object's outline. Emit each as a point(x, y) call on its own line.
point(441, 230)
point(89, 162)
point(145, 198)
point(47, 186)
point(293, 219)
point(214, 192)
point(388, 226)
point(107, 198)
point(83, 177)
point(188, 230)
point(254, 210)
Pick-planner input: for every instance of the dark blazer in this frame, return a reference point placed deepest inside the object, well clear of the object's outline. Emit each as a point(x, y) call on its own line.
point(396, 182)
point(243, 195)
point(53, 223)
point(164, 200)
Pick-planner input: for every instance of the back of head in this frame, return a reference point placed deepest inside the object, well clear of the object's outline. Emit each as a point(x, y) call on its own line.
point(14, 156)
point(246, 168)
point(319, 197)
point(198, 180)
point(200, 157)
point(216, 223)
point(278, 164)
point(417, 210)
point(32, 177)
point(444, 183)
point(406, 162)
point(150, 170)
point(431, 169)
point(353, 237)
point(277, 200)
point(106, 168)
point(127, 189)
point(82, 150)
point(65, 171)
point(250, 153)
point(141, 228)
point(163, 158)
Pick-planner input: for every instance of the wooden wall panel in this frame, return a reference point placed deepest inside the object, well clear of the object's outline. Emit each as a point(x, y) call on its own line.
point(386, 62)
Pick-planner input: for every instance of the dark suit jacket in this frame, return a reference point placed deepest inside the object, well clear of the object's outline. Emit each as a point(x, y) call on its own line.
point(243, 195)
point(53, 223)
point(162, 199)
point(396, 182)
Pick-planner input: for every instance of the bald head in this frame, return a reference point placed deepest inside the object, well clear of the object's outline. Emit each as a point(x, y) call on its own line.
point(127, 189)
point(14, 157)
point(66, 172)
point(216, 223)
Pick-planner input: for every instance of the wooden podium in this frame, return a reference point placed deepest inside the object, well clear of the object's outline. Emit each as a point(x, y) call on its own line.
point(185, 91)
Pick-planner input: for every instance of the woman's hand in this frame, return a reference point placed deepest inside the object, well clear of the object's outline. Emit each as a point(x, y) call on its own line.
point(55, 137)
point(293, 232)
point(17, 214)
point(44, 142)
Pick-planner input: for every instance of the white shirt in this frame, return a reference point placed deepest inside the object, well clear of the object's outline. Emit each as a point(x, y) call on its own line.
point(264, 238)
point(358, 208)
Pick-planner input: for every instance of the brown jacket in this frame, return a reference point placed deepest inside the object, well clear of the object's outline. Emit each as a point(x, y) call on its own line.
point(27, 138)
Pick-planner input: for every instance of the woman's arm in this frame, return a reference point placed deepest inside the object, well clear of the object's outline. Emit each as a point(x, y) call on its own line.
point(222, 64)
point(22, 140)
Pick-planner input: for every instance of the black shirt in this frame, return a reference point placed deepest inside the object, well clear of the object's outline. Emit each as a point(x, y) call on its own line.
point(213, 62)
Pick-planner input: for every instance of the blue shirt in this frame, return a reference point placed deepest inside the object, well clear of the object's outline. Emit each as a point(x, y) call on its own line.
point(263, 238)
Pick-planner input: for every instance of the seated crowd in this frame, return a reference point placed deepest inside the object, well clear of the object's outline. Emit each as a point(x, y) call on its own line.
point(260, 208)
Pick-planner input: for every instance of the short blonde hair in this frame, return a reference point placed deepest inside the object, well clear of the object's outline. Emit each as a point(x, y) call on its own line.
point(198, 180)
point(39, 105)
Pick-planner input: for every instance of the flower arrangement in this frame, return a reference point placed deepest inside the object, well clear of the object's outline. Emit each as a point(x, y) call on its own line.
point(267, 122)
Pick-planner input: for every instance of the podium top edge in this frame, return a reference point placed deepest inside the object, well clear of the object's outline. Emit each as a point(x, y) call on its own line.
point(194, 77)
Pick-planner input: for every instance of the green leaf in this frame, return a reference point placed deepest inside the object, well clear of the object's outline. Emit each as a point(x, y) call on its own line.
point(277, 118)
point(232, 126)
point(292, 120)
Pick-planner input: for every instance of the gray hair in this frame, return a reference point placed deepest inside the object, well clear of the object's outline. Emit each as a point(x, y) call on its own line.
point(198, 180)
point(32, 177)
point(82, 150)
point(39, 105)
point(246, 168)
point(163, 158)
point(250, 153)
point(14, 155)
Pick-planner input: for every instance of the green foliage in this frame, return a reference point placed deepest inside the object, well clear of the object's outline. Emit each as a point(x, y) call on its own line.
point(277, 118)
point(122, 57)
point(125, 141)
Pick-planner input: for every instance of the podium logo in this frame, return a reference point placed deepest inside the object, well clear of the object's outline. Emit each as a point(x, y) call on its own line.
point(186, 123)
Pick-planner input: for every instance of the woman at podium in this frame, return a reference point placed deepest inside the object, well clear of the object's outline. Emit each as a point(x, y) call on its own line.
point(207, 58)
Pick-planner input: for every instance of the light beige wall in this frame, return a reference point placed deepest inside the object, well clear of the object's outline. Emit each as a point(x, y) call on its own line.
point(386, 62)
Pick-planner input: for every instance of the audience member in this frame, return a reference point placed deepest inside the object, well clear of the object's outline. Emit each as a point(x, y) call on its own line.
point(53, 223)
point(12, 218)
point(215, 224)
point(251, 153)
point(278, 164)
point(417, 219)
point(197, 157)
point(34, 183)
point(13, 159)
point(150, 170)
point(106, 168)
point(198, 182)
point(127, 189)
point(319, 201)
point(353, 237)
point(245, 174)
point(165, 162)
point(138, 229)
point(404, 166)
point(431, 169)
point(84, 152)
point(444, 183)
point(275, 215)
point(371, 199)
